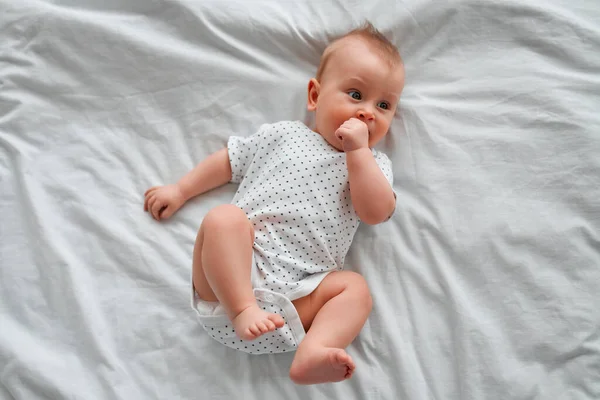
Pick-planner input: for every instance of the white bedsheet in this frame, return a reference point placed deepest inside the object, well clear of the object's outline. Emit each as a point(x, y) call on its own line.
point(486, 283)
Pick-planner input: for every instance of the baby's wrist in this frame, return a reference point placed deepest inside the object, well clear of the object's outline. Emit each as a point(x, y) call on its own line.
point(357, 149)
point(181, 191)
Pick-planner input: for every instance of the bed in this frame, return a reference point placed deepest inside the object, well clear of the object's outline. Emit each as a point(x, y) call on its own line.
point(486, 281)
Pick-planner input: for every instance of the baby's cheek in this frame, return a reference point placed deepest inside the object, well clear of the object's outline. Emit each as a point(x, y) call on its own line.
point(340, 121)
point(339, 116)
point(334, 125)
point(376, 137)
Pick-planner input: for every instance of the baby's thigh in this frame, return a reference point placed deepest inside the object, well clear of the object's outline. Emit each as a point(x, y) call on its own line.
point(332, 285)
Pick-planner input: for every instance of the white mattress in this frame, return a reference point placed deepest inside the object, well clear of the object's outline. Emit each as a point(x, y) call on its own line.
point(486, 282)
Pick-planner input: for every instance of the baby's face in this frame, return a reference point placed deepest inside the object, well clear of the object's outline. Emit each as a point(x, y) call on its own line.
point(356, 83)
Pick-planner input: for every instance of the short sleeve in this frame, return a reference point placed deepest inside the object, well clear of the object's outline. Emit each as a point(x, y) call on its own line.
point(385, 165)
point(241, 153)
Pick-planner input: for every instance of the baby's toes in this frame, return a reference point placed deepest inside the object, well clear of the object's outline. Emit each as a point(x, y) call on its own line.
point(254, 330)
point(277, 320)
point(349, 363)
point(270, 325)
point(262, 327)
point(341, 358)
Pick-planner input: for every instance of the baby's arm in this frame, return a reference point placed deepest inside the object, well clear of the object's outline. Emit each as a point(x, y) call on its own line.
point(163, 201)
point(211, 173)
point(371, 193)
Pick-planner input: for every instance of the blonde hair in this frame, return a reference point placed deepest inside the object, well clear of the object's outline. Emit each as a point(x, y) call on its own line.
point(367, 31)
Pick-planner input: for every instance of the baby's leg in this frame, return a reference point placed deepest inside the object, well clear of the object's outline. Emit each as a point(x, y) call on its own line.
point(221, 270)
point(333, 315)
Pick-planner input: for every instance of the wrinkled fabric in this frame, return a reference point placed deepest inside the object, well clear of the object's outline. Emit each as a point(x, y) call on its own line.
point(485, 282)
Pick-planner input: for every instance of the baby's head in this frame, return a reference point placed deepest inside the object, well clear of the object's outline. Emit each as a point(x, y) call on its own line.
point(361, 75)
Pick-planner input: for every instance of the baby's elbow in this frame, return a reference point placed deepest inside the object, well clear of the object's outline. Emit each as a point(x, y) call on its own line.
point(377, 215)
point(374, 218)
point(369, 220)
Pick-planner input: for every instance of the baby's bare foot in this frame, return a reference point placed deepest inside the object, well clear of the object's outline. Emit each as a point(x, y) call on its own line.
point(253, 322)
point(320, 365)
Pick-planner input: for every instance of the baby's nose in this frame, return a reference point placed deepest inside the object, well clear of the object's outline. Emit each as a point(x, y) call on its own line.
point(364, 115)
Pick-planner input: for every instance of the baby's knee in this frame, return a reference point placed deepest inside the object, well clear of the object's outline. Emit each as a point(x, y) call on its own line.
point(226, 216)
point(356, 284)
point(361, 288)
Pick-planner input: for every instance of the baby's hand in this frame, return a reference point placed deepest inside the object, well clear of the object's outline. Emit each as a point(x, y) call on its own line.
point(354, 134)
point(162, 201)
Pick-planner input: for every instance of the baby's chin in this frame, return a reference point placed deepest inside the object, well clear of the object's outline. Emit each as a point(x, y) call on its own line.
point(333, 142)
point(331, 139)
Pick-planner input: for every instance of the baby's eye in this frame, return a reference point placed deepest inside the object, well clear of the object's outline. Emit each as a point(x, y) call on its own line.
point(384, 105)
point(355, 94)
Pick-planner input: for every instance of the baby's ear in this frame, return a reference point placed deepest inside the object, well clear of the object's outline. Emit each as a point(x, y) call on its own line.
point(313, 94)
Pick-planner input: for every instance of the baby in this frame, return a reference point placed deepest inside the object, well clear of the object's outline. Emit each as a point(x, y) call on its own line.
point(267, 269)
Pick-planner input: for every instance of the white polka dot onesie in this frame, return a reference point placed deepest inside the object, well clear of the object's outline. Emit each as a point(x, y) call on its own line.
point(294, 189)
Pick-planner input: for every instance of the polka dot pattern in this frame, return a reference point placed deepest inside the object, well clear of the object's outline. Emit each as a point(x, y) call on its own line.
point(294, 189)
point(279, 341)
